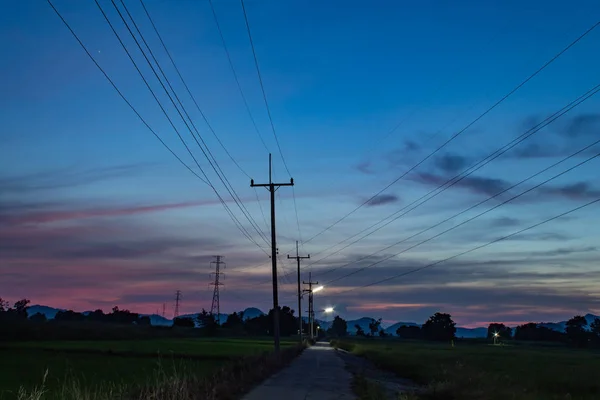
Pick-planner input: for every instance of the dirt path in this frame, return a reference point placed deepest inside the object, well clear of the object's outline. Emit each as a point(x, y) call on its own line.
point(318, 373)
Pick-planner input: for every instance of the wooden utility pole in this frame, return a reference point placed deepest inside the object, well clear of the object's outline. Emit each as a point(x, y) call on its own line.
point(298, 258)
point(311, 311)
point(272, 187)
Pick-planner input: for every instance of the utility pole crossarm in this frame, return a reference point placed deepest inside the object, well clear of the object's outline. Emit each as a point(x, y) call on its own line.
point(268, 185)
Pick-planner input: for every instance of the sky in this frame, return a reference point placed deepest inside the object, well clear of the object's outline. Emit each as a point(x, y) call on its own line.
point(95, 211)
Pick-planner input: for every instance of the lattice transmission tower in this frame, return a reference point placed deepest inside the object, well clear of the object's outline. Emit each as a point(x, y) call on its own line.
point(177, 301)
point(215, 308)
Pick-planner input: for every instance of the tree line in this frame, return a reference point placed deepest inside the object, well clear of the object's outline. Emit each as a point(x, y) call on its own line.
point(237, 324)
point(15, 324)
point(577, 332)
point(18, 313)
point(441, 327)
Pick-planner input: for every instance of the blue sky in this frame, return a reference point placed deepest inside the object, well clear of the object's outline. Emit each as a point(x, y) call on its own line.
point(95, 212)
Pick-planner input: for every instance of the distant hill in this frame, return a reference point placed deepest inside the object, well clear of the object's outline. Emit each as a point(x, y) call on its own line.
point(471, 333)
point(562, 325)
point(391, 330)
point(222, 317)
point(158, 320)
point(252, 312)
point(49, 312)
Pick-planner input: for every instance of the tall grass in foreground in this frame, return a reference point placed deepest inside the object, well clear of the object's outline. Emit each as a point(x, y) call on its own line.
point(227, 382)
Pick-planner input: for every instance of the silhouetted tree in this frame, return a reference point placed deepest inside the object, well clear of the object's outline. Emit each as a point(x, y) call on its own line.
point(96, 316)
point(532, 332)
point(184, 322)
point(439, 326)
point(4, 305)
point(145, 321)
point(69, 316)
point(21, 306)
point(374, 326)
point(235, 322)
point(382, 333)
point(258, 326)
point(38, 318)
point(207, 323)
point(359, 330)
point(288, 324)
point(503, 331)
point(595, 330)
point(576, 331)
point(409, 332)
point(121, 316)
point(339, 327)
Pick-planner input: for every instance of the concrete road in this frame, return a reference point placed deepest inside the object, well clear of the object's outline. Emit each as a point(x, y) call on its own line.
point(318, 373)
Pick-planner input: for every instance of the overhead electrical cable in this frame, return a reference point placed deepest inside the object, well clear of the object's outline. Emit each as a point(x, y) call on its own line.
point(460, 176)
point(185, 85)
point(454, 136)
point(120, 93)
point(418, 269)
point(483, 212)
point(205, 150)
point(264, 95)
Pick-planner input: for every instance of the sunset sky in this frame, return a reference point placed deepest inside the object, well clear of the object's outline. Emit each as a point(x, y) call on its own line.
point(95, 212)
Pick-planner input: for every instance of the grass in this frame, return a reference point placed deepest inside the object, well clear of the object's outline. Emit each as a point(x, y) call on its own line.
point(114, 366)
point(486, 371)
point(191, 347)
point(367, 390)
point(27, 367)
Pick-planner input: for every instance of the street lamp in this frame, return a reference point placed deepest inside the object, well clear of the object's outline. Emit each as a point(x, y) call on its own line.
point(328, 310)
point(496, 334)
point(318, 289)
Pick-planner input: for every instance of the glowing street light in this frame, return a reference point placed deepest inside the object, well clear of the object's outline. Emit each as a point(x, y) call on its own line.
point(318, 289)
point(328, 310)
point(496, 334)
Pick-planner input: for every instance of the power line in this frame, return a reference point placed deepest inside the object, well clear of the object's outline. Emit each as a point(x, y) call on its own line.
point(232, 216)
point(186, 86)
point(454, 136)
point(222, 177)
point(122, 95)
point(482, 213)
point(264, 94)
point(261, 208)
point(262, 87)
point(237, 81)
point(462, 175)
point(473, 249)
point(216, 169)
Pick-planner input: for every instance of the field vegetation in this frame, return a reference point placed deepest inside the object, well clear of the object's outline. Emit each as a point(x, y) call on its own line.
point(480, 370)
point(120, 355)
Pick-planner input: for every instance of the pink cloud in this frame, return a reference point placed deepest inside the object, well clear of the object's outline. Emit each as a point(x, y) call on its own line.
point(386, 306)
point(55, 216)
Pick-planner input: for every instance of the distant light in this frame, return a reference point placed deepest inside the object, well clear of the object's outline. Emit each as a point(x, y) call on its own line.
point(318, 289)
point(329, 310)
point(496, 334)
